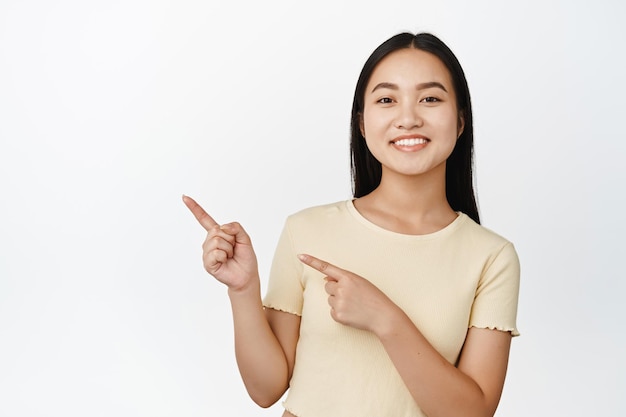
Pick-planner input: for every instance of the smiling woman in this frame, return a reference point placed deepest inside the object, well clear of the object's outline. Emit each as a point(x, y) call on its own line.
point(396, 302)
point(407, 108)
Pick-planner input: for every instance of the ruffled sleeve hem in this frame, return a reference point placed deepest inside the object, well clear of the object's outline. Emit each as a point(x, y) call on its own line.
point(514, 332)
point(283, 309)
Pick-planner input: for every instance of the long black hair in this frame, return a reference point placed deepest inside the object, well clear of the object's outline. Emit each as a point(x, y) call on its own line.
point(367, 171)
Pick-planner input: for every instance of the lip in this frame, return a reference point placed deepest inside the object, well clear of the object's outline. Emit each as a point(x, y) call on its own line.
point(413, 136)
point(415, 147)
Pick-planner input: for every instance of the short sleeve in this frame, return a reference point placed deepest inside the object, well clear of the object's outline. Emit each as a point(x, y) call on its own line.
point(285, 290)
point(495, 303)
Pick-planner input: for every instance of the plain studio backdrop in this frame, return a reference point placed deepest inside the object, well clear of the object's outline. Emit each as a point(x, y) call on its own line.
point(110, 110)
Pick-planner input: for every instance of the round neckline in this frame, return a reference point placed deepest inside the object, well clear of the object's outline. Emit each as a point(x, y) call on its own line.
point(460, 218)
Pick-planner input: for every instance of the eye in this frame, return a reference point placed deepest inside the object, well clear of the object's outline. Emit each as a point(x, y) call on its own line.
point(430, 100)
point(385, 100)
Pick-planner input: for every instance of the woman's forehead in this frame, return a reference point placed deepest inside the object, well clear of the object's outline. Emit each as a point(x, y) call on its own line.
point(410, 66)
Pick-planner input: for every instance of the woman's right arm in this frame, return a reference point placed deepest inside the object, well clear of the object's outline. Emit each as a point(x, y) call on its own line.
point(265, 346)
point(265, 340)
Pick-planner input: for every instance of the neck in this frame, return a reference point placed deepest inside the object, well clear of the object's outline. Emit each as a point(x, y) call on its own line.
point(420, 195)
point(409, 204)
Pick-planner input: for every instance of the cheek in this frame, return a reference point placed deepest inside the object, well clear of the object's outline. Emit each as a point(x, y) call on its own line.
point(448, 124)
point(374, 124)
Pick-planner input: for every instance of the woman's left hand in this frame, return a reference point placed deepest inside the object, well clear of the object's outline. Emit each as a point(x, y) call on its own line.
point(353, 300)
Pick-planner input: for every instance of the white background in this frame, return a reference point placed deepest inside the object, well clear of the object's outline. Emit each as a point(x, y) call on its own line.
point(110, 110)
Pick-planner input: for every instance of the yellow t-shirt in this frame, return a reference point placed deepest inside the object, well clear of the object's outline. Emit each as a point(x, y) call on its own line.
point(461, 276)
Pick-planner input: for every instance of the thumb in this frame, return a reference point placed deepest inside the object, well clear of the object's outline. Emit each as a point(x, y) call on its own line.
point(235, 229)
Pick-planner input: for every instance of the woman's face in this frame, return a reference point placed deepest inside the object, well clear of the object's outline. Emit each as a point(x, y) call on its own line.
point(410, 119)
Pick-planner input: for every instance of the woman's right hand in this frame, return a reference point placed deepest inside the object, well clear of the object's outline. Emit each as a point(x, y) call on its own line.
point(227, 250)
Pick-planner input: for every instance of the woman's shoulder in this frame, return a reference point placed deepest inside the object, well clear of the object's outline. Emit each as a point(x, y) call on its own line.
point(316, 215)
point(482, 235)
point(321, 210)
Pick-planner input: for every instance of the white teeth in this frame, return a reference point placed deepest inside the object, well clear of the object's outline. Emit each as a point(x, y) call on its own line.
point(410, 142)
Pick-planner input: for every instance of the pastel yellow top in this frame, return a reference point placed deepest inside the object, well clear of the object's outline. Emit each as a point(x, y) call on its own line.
point(461, 276)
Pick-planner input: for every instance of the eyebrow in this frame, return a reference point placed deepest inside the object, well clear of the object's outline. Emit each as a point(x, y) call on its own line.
point(421, 86)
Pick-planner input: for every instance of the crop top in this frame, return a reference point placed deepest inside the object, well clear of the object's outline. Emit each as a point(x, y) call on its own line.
point(461, 276)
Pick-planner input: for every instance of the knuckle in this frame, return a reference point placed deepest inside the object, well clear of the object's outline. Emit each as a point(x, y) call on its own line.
point(210, 245)
point(232, 225)
point(219, 256)
point(338, 315)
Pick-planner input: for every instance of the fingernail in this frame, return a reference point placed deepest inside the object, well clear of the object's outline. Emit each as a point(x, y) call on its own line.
point(303, 257)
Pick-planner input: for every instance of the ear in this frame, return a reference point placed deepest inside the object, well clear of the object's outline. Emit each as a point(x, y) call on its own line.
point(460, 124)
point(361, 124)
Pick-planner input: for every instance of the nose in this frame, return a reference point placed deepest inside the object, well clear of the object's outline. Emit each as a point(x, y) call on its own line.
point(408, 116)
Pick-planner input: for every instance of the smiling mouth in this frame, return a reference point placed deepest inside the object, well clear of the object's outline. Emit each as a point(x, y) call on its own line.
point(410, 142)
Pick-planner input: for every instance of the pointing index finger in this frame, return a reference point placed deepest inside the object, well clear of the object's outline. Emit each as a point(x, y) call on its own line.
point(322, 266)
point(202, 216)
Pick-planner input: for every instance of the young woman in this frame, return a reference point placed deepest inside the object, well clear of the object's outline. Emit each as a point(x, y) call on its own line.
point(394, 303)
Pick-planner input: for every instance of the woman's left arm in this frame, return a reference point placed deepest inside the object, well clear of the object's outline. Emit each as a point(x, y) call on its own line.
point(439, 388)
point(472, 388)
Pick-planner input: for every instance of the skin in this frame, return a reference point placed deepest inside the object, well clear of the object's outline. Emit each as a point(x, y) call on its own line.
point(409, 96)
point(265, 339)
